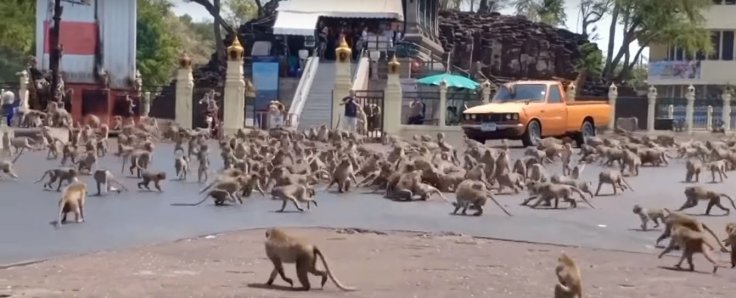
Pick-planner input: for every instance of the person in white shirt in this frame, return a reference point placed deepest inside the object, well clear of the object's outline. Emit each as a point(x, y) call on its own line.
point(7, 98)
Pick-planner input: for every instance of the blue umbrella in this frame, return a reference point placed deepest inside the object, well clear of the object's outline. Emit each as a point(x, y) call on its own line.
point(453, 81)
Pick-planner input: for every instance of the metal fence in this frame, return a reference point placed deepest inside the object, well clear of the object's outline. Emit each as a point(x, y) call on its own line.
point(430, 111)
point(676, 109)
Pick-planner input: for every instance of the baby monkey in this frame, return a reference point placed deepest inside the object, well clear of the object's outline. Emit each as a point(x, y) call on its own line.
point(655, 215)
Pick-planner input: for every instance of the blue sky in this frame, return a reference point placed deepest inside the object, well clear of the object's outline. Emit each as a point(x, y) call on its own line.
point(571, 8)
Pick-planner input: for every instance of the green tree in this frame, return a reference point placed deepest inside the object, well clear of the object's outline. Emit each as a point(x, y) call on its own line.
point(551, 12)
point(197, 38)
point(592, 11)
point(157, 45)
point(17, 33)
point(676, 22)
point(240, 11)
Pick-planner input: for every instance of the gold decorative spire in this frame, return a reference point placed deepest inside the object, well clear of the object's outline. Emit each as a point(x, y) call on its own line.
point(185, 61)
point(393, 65)
point(235, 50)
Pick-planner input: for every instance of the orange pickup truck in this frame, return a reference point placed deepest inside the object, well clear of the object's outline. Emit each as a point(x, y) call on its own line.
point(532, 110)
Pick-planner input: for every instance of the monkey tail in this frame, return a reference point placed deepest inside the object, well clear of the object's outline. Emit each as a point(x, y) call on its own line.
point(48, 172)
point(208, 186)
point(318, 253)
point(667, 210)
point(17, 157)
point(582, 196)
point(729, 198)
point(716, 237)
point(192, 204)
point(499, 205)
point(627, 183)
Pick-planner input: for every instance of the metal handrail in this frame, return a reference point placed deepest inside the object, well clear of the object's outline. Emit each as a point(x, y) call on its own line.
point(302, 91)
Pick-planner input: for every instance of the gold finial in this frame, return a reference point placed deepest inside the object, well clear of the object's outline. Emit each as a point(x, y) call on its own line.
point(393, 65)
point(185, 61)
point(235, 50)
point(343, 51)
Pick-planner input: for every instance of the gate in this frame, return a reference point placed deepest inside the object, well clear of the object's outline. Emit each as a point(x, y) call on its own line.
point(372, 103)
point(199, 109)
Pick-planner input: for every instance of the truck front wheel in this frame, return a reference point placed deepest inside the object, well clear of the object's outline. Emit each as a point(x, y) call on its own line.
point(532, 135)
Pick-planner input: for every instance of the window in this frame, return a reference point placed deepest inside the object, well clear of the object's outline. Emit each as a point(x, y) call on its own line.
point(729, 2)
point(727, 45)
point(679, 54)
point(715, 39)
point(554, 95)
point(521, 92)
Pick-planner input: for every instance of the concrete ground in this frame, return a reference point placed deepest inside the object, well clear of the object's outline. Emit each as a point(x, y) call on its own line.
point(142, 218)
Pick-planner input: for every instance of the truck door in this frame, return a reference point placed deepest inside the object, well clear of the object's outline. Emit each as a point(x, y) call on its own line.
point(554, 113)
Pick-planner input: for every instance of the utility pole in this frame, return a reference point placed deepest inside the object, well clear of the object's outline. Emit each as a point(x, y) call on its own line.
point(55, 55)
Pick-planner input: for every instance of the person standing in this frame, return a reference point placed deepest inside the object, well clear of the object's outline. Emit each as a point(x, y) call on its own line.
point(351, 111)
point(8, 101)
point(416, 112)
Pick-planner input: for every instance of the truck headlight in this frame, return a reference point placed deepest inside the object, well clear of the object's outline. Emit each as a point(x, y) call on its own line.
point(514, 116)
point(507, 117)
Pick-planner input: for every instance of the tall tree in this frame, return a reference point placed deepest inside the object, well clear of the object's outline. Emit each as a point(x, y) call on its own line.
point(552, 12)
point(240, 11)
point(591, 12)
point(527, 8)
point(675, 22)
point(157, 45)
point(17, 32)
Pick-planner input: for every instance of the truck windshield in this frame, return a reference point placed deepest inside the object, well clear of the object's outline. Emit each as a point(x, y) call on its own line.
point(521, 92)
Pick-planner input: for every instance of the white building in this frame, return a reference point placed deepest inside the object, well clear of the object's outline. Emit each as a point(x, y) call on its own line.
point(671, 70)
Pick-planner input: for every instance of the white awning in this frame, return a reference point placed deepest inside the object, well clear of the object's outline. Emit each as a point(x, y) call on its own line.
point(295, 23)
point(370, 9)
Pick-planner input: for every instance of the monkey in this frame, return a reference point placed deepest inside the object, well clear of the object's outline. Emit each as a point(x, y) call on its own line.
point(283, 248)
point(694, 167)
point(647, 214)
point(511, 180)
point(253, 182)
point(694, 194)
point(72, 200)
point(538, 173)
point(219, 195)
point(520, 168)
point(424, 190)
point(8, 167)
point(139, 161)
point(680, 219)
point(566, 156)
point(106, 177)
point(584, 186)
point(295, 193)
point(203, 169)
point(84, 166)
point(549, 191)
point(20, 144)
point(614, 178)
point(731, 241)
point(230, 184)
point(148, 176)
point(181, 165)
point(569, 279)
point(68, 152)
point(690, 242)
point(632, 161)
point(719, 167)
point(101, 147)
point(342, 175)
point(473, 194)
point(52, 149)
point(61, 174)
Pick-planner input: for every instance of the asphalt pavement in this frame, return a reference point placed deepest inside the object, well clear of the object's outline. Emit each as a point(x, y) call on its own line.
point(136, 218)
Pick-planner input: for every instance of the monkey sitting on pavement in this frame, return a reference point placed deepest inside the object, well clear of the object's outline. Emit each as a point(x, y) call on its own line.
point(72, 200)
point(155, 176)
point(283, 248)
point(294, 193)
point(569, 279)
point(647, 214)
point(107, 178)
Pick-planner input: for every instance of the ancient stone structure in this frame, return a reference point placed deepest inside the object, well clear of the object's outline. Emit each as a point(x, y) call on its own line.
point(509, 46)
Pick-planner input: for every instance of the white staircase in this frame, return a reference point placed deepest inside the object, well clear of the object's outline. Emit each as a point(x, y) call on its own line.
point(302, 91)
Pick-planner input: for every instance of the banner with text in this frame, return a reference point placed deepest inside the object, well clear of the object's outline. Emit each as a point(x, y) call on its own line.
point(677, 70)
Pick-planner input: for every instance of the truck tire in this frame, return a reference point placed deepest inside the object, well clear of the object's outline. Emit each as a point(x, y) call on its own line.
point(532, 135)
point(587, 130)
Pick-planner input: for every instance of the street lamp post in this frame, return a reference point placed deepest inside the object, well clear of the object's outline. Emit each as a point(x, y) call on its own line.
point(55, 55)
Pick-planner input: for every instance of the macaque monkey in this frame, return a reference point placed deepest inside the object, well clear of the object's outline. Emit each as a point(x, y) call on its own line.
point(695, 194)
point(731, 241)
point(566, 157)
point(538, 173)
point(520, 168)
point(569, 279)
point(690, 242)
point(181, 165)
point(203, 170)
point(72, 200)
point(511, 180)
point(84, 166)
point(549, 191)
point(294, 193)
point(342, 175)
point(694, 167)
point(717, 167)
point(680, 219)
point(20, 144)
point(283, 248)
point(139, 161)
point(107, 178)
point(473, 194)
point(148, 176)
point(61, 174)
point(614, 178)
point(424, 190)
point(653, 214)
point(8, 167)
point(230, 184)
point(68, 152)
point(219, 195)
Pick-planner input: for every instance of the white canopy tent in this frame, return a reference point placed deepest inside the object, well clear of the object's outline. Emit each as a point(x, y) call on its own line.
point(299, 17)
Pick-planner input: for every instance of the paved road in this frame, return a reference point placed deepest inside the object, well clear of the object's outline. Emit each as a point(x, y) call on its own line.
point(139, 218)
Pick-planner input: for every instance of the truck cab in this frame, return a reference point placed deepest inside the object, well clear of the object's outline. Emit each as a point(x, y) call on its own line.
point(531, 110)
